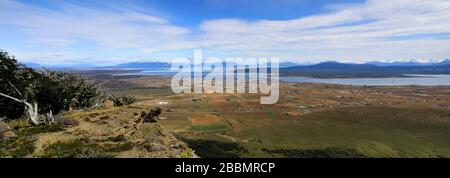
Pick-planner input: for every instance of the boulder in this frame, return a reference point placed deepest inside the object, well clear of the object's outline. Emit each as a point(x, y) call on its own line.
point(69, 122)
point(6, 131)
point(108, 103)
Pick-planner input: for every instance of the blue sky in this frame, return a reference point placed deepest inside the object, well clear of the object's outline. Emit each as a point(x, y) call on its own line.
point(118, 31)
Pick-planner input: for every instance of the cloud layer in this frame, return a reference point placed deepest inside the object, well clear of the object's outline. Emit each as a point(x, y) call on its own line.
point(376, 29)
point(373, 30)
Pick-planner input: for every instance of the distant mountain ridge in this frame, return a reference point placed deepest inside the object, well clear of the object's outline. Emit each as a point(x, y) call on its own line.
point(293, 64)
point(167, 65)
point(334, 69)
point(410, 63)
point(328, 64)
point(338, 65)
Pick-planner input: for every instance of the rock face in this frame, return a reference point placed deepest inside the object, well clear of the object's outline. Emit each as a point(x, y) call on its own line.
point(6, 131)
point(114, 132)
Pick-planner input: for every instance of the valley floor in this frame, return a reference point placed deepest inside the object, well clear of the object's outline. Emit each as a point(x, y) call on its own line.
point(310, 120)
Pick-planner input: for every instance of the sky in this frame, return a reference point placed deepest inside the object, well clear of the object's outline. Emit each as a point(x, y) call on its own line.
point(109, 32)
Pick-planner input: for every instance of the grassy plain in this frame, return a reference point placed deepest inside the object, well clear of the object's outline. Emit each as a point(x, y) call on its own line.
point(310, 120)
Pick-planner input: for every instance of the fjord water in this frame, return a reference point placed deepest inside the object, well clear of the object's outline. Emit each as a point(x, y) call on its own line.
point(425, 80)
point(412, 79)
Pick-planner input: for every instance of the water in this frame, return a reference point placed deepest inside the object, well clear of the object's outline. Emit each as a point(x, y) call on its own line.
point(150, 72)
point(425, 80)
point(161, 72)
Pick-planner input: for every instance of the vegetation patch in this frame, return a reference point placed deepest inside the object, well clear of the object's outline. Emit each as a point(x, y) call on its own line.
point(271, 114)
point(32, 130)
point(24, 144)
point(81, 148)
point(119, 138)
point(211, 127)
point(216, 149)
point(329, 152)
point(16, 147)
point(122, 100)
point(187, 154)
point(207, 122)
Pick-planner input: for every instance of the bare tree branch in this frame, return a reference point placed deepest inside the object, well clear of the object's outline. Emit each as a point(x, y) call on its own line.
point(18, 100)
point(15, 88)
point(10, 97)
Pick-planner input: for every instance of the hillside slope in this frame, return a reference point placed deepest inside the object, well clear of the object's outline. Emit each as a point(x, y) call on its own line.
point(108, 132)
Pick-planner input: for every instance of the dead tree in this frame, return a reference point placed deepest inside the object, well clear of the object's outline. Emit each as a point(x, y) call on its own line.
point(30, 107)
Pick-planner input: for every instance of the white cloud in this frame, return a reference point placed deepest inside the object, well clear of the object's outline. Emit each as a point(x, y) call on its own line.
point(108, 28)
point(376, 29)
point(362, 31)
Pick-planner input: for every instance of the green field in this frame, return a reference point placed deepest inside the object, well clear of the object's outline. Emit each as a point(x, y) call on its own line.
point(377, 131)
point(310, 120)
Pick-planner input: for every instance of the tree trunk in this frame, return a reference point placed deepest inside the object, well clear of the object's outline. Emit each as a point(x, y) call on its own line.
point(50, 118)
point(32, 109)
point(32, 112)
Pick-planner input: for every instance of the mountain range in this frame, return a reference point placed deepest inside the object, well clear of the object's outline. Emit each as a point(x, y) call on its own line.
point(334, 69)
point(60, 66)
point(161, 65)
point(410, 63)
point(330, 69)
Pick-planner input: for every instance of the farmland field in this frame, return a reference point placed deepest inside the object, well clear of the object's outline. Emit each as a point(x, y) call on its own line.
point(310, 120)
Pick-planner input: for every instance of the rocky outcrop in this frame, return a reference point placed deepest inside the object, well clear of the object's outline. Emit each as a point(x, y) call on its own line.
point(111, 132)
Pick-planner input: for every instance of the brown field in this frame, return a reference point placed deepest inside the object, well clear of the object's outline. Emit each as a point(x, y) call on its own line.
point(310, 120)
